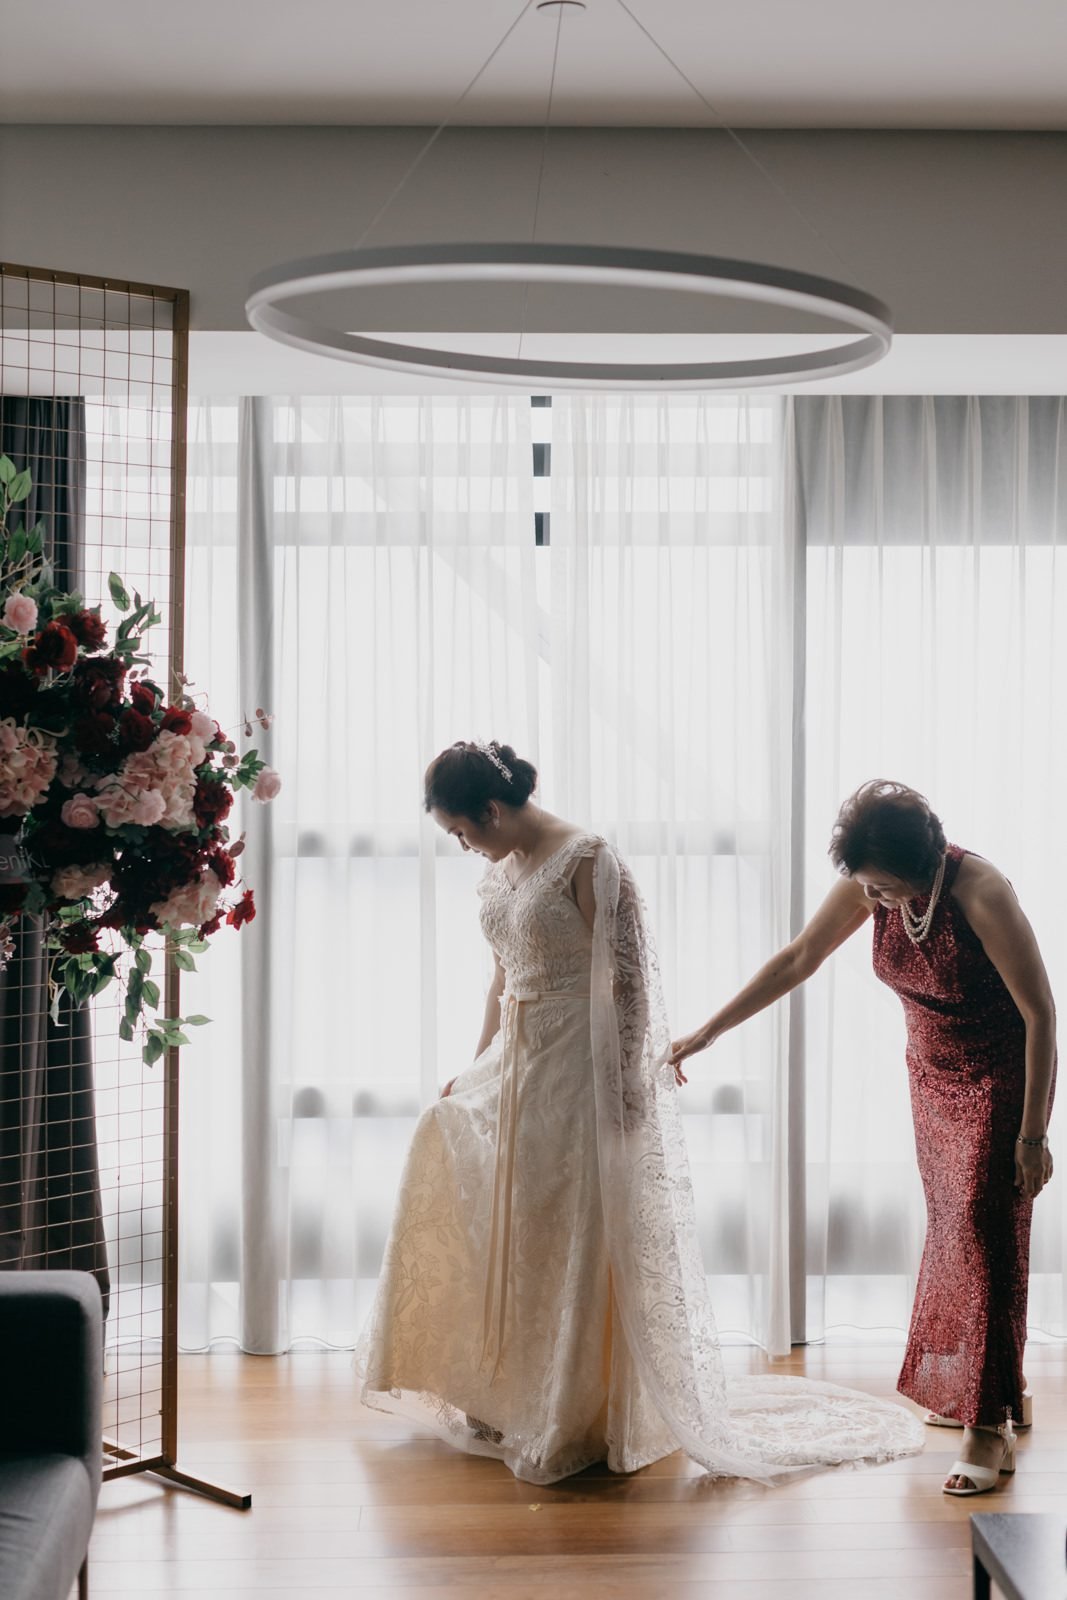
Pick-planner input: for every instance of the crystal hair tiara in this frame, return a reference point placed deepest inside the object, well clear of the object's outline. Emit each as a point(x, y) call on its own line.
point(487, 750)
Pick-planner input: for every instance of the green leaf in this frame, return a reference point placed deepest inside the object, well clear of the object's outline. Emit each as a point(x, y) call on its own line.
point(177, 1039)
point(151, 993)
point(125, 1031)
point(143, 959)
point(7, 470)
point(184, 960)
point(20, 486)
point(118, 592)
point(153, 1049)
point(103, 978)
point(16, 546)
point(196, 1022)
point(198, 945)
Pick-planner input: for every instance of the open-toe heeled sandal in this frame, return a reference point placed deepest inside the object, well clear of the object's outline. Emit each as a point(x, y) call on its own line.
point(982, 1479)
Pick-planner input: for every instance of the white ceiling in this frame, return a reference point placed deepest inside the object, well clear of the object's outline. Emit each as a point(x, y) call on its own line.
point(764, 63)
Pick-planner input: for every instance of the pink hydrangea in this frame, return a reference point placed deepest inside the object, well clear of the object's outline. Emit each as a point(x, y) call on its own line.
point(167, 770)
point(80, 811)
point(72, 883)
point(149, 807)
point(20, 613)
point(192, 905)
point(116, 804)
point(27, 767)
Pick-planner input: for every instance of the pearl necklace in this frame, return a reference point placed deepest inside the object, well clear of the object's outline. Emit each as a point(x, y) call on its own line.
point(915, 927)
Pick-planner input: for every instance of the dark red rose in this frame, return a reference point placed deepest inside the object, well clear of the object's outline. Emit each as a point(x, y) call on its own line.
point(88, 628)
point(177, 720)
point(243, 911)
point(211, 802)
point(222, 866)
point(55, 649)
point(18, 691)
point(79, 939)
point(99, 684)
point(136, 731)
point(208, 928)
point(162, 862)
point(143, 696)
point(114, 917)
point(12, 898)
point(59, 846)
point(92, 733)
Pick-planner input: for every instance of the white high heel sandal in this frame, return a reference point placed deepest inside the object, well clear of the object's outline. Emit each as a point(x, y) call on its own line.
point(984, 1478)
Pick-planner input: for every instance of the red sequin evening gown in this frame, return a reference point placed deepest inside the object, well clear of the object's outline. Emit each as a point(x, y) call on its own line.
point(966, 1066)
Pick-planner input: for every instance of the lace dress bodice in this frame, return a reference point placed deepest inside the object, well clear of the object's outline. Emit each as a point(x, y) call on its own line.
point(536, 929)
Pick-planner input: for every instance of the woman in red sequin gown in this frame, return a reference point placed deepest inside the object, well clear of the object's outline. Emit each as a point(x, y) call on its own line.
point(951, 940)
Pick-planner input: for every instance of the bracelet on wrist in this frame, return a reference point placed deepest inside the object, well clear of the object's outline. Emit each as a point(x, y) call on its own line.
point(1034, 1144)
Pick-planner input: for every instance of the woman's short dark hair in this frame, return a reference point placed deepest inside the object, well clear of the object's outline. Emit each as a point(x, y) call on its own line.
point(887, 827)
point(464, 778)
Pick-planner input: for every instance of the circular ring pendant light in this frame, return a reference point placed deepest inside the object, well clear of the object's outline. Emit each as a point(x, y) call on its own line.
point(586, 265)
point(596, 265)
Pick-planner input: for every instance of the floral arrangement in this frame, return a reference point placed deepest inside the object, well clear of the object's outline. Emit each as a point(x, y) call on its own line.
point(115, 794)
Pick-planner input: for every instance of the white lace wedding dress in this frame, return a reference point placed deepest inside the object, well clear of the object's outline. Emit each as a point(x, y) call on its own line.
point(542, 1298)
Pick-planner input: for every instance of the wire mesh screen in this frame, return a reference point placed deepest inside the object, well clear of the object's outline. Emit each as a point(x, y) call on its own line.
point(92, 407)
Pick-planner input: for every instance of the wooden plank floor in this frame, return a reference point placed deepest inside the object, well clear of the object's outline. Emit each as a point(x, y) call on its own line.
point(347, 1501)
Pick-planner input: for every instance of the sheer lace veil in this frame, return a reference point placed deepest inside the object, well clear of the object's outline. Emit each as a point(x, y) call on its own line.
point(761, 1428)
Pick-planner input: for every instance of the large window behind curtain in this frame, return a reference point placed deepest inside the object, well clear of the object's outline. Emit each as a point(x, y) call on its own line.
point(387, 576)
point(707, 619)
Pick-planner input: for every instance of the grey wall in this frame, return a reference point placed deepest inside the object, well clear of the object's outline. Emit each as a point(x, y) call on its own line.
point(959, 232)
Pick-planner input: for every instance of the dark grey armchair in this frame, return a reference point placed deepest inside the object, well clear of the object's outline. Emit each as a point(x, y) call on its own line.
point(51, 1368)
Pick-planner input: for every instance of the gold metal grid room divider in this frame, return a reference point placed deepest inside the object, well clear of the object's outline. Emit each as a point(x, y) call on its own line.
point(93, 393)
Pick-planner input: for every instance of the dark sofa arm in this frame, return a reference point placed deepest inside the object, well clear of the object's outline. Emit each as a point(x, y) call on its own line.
point(51, 1366)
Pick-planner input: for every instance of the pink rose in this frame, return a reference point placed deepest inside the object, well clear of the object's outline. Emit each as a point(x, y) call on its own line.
point(80, 812)
point(267, 786)
point(20, 613)
point(148, 807)
point(203, 726)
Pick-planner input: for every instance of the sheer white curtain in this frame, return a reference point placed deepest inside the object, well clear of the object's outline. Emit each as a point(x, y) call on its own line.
point(671, 628)
point(936, 614)
point(362, 569)
point(707, 619)
point(373, 572)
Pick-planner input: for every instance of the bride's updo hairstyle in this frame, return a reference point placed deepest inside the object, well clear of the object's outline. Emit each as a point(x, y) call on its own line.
point(463, 779)
point(887, 827)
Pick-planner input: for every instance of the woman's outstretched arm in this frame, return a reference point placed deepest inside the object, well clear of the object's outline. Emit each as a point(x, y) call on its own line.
point(844, 910)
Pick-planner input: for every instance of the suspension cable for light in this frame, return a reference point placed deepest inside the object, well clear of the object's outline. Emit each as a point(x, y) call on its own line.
point(588, 265)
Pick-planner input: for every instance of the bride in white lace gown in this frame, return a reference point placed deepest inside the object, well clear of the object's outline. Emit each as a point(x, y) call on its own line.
point(542, 1298)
